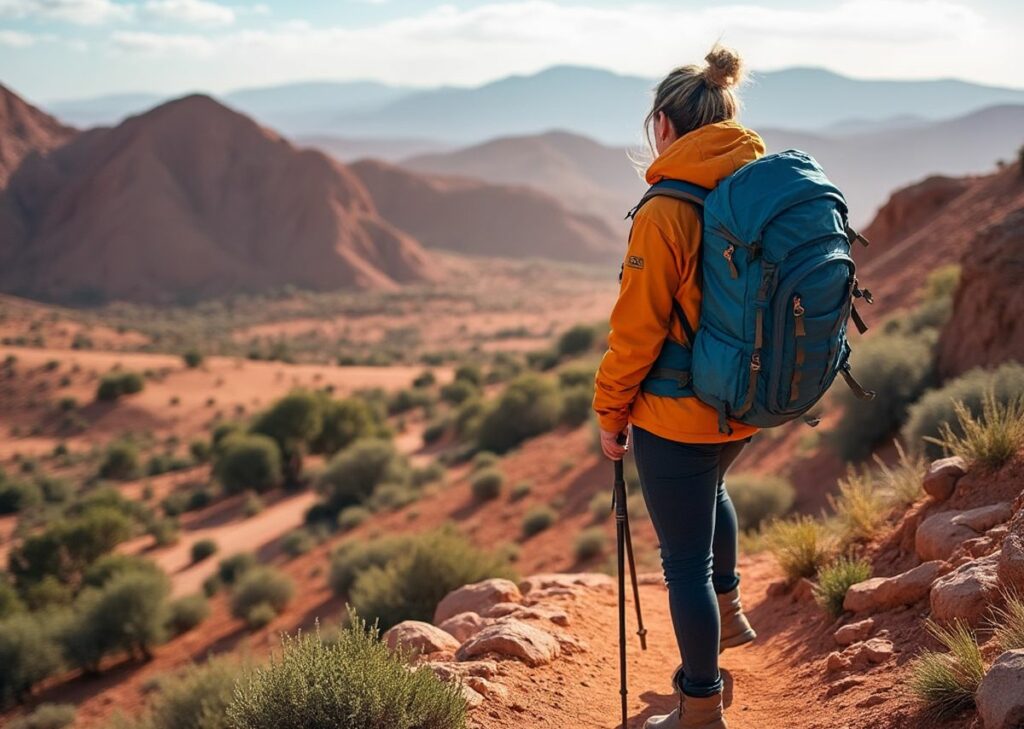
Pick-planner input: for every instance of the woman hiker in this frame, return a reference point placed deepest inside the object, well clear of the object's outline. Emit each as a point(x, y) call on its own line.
point(681, 455)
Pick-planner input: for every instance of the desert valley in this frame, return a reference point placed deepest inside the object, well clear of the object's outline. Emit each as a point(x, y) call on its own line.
point(260, 363)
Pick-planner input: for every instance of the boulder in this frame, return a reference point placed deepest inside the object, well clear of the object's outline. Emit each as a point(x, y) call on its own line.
point(465, 625)
point(875, 650)
point(885, 593)
point(450, 671)
point(522, 612)
point(939, 536)
point(940, 481)
point(967, 592)
point(570, 583)
point(1000, 697)
point(476, 598)
point(418, 637)
point(1011, 563)
point(488, 689)
point(836, 662)
point(854, 632)
point(513, 639)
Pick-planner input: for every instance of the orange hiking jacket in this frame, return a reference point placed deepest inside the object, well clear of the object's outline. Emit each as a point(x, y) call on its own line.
point(663, 262)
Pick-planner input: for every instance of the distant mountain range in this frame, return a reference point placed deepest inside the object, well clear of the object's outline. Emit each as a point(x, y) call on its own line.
point(600, 104)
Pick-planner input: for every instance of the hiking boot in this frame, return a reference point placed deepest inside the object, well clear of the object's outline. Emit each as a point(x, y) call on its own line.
point(693, 713)
point(736, 630)
point(677, 685)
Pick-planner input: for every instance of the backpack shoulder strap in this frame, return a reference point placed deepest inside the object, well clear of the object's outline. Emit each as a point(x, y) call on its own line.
point(687, 192)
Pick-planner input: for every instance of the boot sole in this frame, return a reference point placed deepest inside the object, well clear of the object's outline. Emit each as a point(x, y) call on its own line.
point(737, 640)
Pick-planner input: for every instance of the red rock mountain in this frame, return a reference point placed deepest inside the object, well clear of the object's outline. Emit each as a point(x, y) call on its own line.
point(191, 200)
point(987, 325)
point(479, 218)
point(25, 129)
point(909, 239)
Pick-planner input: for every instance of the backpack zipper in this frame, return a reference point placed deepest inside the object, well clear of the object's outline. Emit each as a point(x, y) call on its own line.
point(727, 254)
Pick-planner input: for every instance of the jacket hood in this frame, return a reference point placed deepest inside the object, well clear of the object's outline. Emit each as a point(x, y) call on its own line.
point(707, 155)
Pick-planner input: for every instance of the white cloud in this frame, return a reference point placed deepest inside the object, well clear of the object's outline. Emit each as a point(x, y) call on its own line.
point(194, 12)
point(80, 12)
point(448, 44)
point(16, 39)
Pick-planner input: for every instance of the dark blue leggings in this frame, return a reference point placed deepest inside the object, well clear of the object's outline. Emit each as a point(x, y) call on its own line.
point(683, 485)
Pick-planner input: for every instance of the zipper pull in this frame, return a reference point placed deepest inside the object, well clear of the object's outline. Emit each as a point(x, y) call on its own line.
point(727, 254)
point(798, 317)
point(755, 362)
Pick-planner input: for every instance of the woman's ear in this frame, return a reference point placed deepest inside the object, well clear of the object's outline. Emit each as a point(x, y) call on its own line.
point(664, 132)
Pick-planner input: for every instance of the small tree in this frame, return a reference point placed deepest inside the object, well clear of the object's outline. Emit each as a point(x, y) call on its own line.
point(193, 358)
point(344, 421)
point(27, 655)
point(248, 462)
point(355, 472)
point(121, 461)
point(258, 588)
point(576, 340)
point(529, 406)
point(293, 422)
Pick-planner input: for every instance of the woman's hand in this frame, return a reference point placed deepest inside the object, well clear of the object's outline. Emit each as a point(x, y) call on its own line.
point(613, 444)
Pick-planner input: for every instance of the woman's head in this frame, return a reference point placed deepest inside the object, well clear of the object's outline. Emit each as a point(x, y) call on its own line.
point(693, 96)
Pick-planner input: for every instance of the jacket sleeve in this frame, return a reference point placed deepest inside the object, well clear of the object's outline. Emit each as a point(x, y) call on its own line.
point(640, 321)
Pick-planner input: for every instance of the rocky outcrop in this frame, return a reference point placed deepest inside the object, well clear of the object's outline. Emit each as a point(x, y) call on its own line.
point(885, 593)
point(421, 638)
point(1000, 697)
point(942, 477)
point(464, 625)
point(1011, 559)
point(967, 593)
point(512, 639)
point(939, 536)
point(986, 327)
point(859, 655)
point(854, 632)
point(477, 598)
point(909, 209)
point(25, 130)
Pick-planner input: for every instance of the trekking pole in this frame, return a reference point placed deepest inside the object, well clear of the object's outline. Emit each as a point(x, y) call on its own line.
point(624, 551)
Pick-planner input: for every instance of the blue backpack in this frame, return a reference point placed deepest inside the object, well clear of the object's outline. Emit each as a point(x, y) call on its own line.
point(779, 287)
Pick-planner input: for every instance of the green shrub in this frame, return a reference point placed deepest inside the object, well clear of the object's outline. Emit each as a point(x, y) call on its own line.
point(248, 462)
point(899, 368)
point(577, 375)
point(577, 405)
point(576, 340)
point(344, 421)
point(354, 473)
point(529, 406)
point(349, 559)
point(230, 569)
point(537, 520)
point(391, 496)
point(486, 484)
point(352, 516)
point(200, 450)
point(297, 541)
point(483, 460)
point(311, 684)
point(992, 438)
point(945, 683)
point(121, 461)
point(759, 499)
point(411, 583)
point(468, 417)
point(195, 698)
point(10, 602)
point(903, 481)
point(192, 358)
point(109, 566)
point(16, 496)
point(165, 532)
point(800, 545)
point(115, 384)
point(926, 416)
point(292, 420)
point(520, 491)
point(459, 391)
point(203, 549)
point(28, 655)
point(260, 586)
point(470, 373)
point(835, 579)
point(127, 614)
point(252, 505)
point(424, 379)
point(405, 400)
point(46, 716)
point(589, 544)
point(187, 612)
point(260, 615)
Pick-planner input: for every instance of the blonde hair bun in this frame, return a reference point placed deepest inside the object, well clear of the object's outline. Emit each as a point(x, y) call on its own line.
point(725, 67)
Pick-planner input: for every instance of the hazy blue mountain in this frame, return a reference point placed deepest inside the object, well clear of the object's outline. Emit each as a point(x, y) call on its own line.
point(349, 149)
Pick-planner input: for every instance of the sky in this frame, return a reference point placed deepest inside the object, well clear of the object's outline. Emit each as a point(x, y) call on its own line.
point(66, 49)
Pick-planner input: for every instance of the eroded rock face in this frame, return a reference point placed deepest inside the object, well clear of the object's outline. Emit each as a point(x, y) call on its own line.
point(1011, 561)
point(885, 593)
point(513, 639)
point(967, 592)
point(569, 582)
point(476, 598)
point(1000, 697)
point(939, 536)
point(419, 637)
point(940, 481)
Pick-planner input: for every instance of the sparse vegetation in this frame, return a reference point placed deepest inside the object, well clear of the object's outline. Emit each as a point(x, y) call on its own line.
point(589, 544)
point(312, 683)
point(230, 569)
point(757, 498)
point(192, 358)
point(248, 462)
point(352, 516)
point(861, 508)
point(117, 384)
point(1008, 621)
point(486, 484)
point(800, 544)
point(992, 438)
point(529, 405)
point(121, 461)
point(187, 612)
point(258, 589)
point(46, 716)
point(353, 474)
point(520, 491)
point(945, 683)
point(902, 481)
point(537, 520)
point(28, 654)
point(297, 541)
point(195, 698)
point(576, 340)
point(836, 578)
point(203, 549)
point(409, 584)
